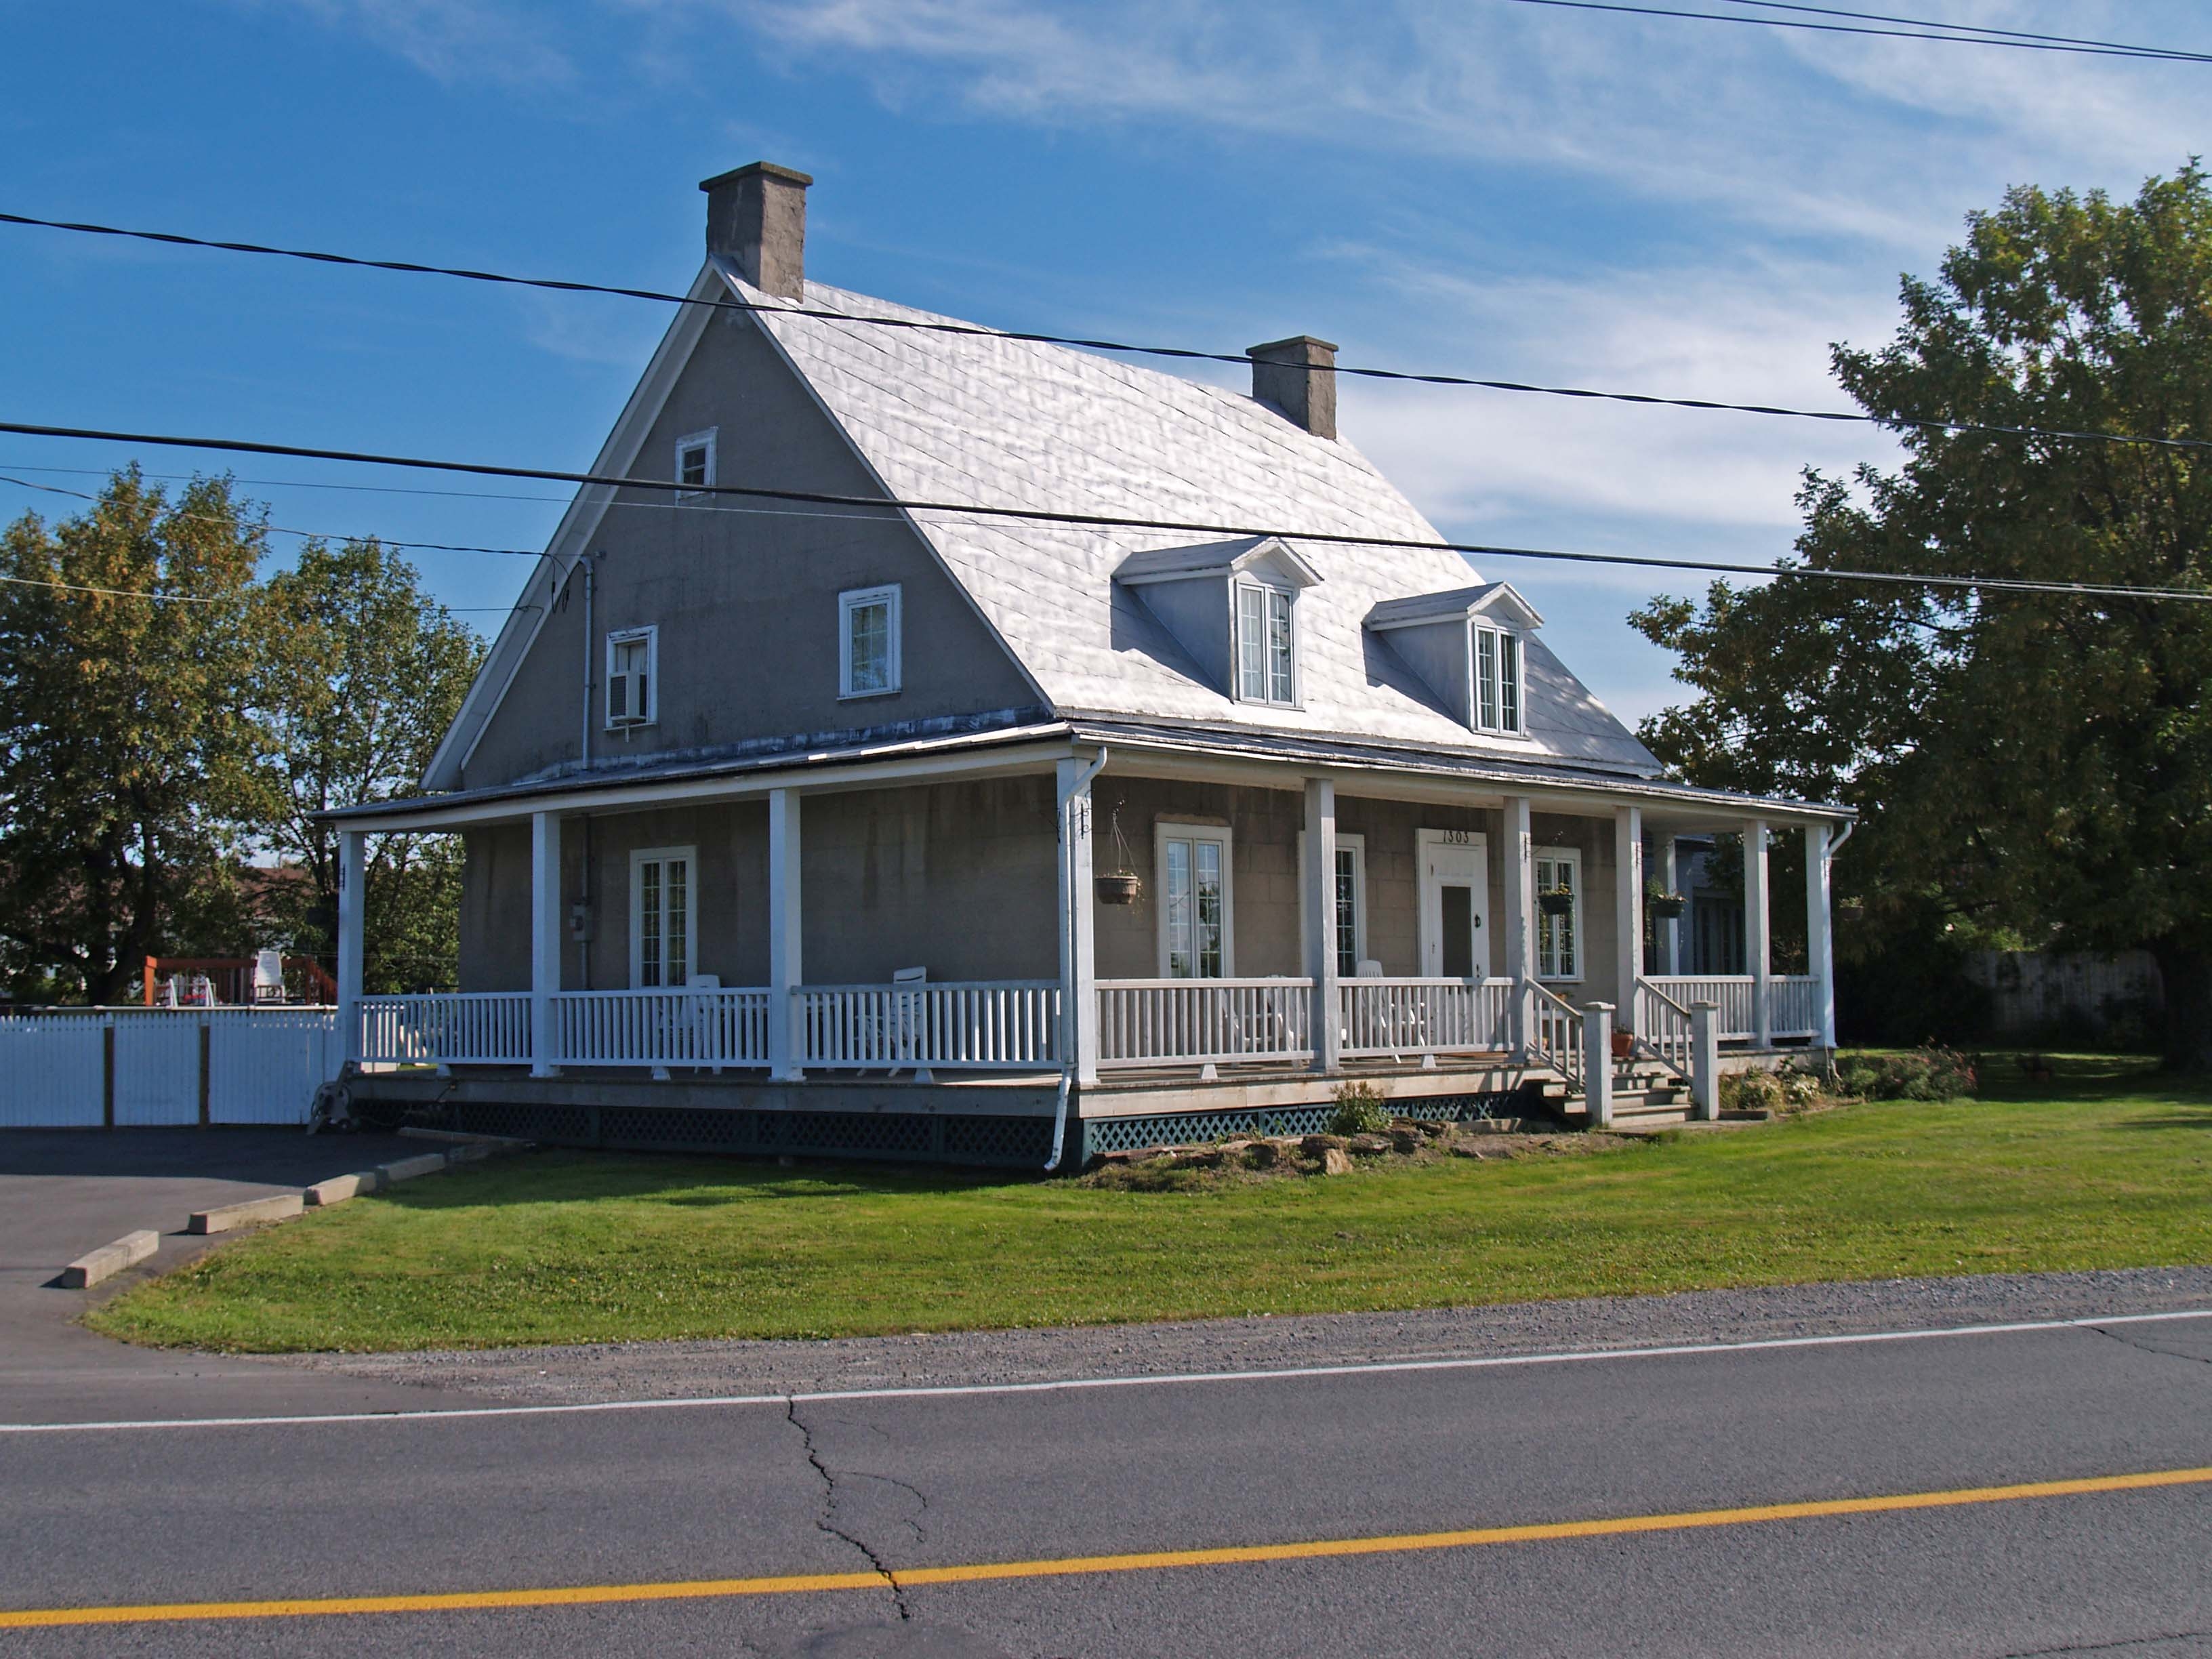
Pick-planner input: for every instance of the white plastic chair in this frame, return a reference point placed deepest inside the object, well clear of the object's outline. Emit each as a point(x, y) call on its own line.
point(269, 976)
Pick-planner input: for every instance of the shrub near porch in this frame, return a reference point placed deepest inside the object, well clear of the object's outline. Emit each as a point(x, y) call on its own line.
point(2107, 1166)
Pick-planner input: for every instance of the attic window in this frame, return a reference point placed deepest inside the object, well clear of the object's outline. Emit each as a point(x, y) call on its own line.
point(1266, 663)
point(633, 676)
point(694, 460)
point(1497, 684)
point(868, 641)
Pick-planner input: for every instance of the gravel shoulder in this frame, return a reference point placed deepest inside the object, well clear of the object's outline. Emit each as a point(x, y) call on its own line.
point(674, 1370)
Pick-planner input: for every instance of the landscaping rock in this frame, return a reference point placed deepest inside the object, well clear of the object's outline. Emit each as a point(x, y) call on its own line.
point(1334, 1160)
point(1370, 1146)
point(1470, 1150)
point(1315, 1145)
point(1267, 1154)
point(1406, 1140)
point(1491, 1125)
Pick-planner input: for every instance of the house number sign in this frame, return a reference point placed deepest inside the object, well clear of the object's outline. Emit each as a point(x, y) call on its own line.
point(1460, 837)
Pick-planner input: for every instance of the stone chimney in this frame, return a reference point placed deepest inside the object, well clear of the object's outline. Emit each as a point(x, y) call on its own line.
point(1296, 379)
point(757, 219)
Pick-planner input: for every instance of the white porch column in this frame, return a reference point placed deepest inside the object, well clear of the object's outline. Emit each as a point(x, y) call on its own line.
point(1819, 951)
point(1668, 934)
point(787, 1034)
point(1320, 922)
point(544, 941)
point(353, 901)
point(1520, 877)
point(1079, 953)
point(1757, 931)
point(1628, 907)
point(1705, 1059)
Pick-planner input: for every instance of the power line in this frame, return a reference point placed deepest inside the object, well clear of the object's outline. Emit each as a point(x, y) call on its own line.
point(934, 325)
point(1107, 521)
point(1921, 30)
point(1973, 30)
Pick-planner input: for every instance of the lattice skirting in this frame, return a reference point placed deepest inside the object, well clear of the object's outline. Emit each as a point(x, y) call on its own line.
point(1129, 1134)
point(908, 1136)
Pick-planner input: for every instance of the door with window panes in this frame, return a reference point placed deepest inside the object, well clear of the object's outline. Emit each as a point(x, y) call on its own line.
point(1193, 904)
point(663, 917)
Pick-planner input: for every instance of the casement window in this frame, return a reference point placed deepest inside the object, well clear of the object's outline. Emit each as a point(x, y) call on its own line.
point(1192, 862)
point(1559, 936)
point(694, 460)
point(663, 914)
point(868, 641)
point(633, 676)
point(1267, 645)
point(1497, 684)
point(1350, 936)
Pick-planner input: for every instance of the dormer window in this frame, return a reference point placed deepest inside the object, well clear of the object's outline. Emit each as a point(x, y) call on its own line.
point(694, 460)
point(1266, 641)
point(1497, 679)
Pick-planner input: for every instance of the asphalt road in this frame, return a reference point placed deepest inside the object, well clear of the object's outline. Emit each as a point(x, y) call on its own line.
point(847, 1487)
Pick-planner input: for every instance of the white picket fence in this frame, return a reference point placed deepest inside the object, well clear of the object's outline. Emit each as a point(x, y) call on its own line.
point(150, 1068)
point(1792, 1002)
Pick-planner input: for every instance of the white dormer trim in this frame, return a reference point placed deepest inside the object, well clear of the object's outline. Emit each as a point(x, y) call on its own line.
point(1247, 554)
point(1499, 603)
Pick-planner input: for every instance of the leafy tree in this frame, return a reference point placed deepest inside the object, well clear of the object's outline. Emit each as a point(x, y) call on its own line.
point(2032, 766)
point(129, 765)
point(363, 672)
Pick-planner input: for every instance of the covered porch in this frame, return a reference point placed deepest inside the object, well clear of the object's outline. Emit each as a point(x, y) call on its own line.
point(1259, 925)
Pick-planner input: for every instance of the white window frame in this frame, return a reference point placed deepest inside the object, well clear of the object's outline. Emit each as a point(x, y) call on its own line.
point(696, 441)
point(1506, 640)
point(1354, 842)
point(620, 636)
point(1271, 595)
point(853, 599)
point(638, 860)
point(1572, 858)
point(1167, 829)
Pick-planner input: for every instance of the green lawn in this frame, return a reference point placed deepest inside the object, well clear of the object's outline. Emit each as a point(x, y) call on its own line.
point(2110, 1167)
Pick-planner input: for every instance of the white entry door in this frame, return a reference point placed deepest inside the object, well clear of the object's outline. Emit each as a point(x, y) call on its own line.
point(1455, 904)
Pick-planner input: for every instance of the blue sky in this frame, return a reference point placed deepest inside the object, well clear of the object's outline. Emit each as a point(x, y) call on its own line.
point(1481, 187)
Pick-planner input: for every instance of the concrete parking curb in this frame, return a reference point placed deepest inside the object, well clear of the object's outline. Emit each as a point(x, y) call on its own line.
point(338, 1188)
point(407, 1168)
point(281, 1206)
point(109, 1260)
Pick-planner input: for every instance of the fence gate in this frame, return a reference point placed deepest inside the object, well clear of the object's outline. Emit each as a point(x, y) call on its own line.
point(140, 1067)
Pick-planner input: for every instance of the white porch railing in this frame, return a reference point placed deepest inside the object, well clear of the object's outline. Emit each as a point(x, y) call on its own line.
point(687, 1026)
point(1401, 1017)
point(1146, 1022)
point(477, 1027)
point(1664, 1029)
point(978, 1024)
point(1791, 1000)
point(1557, 1039)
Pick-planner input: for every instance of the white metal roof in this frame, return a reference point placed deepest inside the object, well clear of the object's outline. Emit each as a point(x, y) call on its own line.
point(1008, 422)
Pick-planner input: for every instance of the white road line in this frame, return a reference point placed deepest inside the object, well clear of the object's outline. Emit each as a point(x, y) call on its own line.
point(1381, 1367)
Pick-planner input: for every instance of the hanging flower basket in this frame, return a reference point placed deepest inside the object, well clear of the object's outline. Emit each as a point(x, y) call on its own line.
point(1668, 906)
point(1120, 888)
point(1850, 909)
point(1556, 900)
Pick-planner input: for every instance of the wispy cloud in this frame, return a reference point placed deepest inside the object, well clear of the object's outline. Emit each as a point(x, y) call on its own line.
point(453, 40)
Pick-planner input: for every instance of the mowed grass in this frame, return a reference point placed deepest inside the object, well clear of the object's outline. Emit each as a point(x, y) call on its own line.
point(2109, 1167)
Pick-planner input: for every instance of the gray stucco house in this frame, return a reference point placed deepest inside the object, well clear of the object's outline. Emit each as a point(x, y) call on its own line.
point(798, 824)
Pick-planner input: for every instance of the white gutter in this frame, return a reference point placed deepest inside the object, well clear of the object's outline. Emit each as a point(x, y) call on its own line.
point(1068, 1014)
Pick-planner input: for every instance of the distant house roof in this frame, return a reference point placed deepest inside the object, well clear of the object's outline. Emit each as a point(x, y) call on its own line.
point(1008, 422)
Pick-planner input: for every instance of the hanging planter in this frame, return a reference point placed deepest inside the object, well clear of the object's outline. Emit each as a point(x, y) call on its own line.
point(1668, 906)
point(1121, 887)
point(1556, 900)
point(1624, 1045)
point(1850, 909)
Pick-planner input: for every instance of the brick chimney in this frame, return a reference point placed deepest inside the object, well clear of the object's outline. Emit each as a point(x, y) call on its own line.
point(1296, 379)
point(757, 219)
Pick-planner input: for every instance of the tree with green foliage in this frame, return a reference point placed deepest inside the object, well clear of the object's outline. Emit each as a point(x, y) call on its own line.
point(130, 775)
point(362, 672)
point(2031, 765)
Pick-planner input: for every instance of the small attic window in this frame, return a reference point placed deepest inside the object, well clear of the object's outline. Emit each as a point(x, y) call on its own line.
point(694, 460)
point(1498, 692)
point(1266, 644)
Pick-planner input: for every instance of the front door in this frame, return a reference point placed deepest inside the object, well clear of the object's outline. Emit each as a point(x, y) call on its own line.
point(1455, 904)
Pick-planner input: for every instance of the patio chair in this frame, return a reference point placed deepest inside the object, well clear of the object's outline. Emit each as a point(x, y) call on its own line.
point(269, 976)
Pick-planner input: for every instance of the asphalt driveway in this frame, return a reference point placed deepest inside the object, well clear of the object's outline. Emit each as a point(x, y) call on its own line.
point(63, 1192)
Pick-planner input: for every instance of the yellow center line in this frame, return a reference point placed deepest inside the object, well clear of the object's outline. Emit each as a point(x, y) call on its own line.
point(1069, 1566)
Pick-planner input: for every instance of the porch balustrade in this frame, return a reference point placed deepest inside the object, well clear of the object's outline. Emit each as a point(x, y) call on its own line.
point(692, 1026)
point(978, 1024)
point(1555, 1037)
point(1399, 1017)
point(1792, 1002)
point(1204, 1021)
point(482, 1027)
point(1664, 1029)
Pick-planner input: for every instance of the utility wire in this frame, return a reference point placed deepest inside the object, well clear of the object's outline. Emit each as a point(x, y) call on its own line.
point(1921, 30)
point(1108, 521)
point(1973, 30)
point(1242, 359)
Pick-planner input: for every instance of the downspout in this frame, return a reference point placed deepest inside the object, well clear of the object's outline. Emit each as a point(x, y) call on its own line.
point(1068, 1015)
point(1850, 826)
point(584, 749)
point(583, 752)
